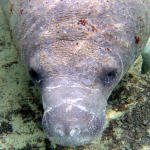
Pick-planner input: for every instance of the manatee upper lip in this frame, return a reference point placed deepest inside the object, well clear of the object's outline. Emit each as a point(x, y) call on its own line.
point(75, 126)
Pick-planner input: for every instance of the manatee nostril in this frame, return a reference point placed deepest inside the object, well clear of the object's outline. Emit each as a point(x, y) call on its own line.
point(59, 131)
point(75, 132)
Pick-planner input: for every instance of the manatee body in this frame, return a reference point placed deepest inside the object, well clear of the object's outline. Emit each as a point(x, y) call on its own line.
point(76, 52)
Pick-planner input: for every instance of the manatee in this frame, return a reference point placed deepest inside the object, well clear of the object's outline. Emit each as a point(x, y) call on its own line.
point(76, 52)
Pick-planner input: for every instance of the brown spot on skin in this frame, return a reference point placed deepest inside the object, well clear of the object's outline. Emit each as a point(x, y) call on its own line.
point(21, 11)
point(11, 7)
point(137, 39)
point(94, 29)
point(108, 49)
point(108, 35)
point(82, 22)
point(77, 43)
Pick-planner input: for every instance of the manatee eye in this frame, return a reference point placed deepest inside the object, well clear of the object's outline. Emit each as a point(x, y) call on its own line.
point(108, 77)
point(35, 76)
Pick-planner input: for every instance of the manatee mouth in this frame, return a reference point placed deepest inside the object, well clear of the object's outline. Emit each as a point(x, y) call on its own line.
point(71, 125)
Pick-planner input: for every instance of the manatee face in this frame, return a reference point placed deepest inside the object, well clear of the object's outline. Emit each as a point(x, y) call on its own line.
point(75, 63)
point(74, 89)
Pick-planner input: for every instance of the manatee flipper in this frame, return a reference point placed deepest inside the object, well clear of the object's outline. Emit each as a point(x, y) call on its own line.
point(146, 58)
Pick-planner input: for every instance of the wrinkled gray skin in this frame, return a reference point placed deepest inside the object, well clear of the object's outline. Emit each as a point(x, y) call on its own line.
point(76, 51)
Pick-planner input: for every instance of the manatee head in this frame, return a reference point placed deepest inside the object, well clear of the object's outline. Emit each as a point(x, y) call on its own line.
point(76, 51)
point(75, 63)
point(75, 79)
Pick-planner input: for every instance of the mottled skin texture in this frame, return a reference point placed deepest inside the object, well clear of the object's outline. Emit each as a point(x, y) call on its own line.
point(76, 51)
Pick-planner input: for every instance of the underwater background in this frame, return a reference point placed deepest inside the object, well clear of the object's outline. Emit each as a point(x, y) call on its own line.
point(128, 110)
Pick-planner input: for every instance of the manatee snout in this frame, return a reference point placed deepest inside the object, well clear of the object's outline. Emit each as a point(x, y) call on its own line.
point(69, 125)
point(73, 113)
